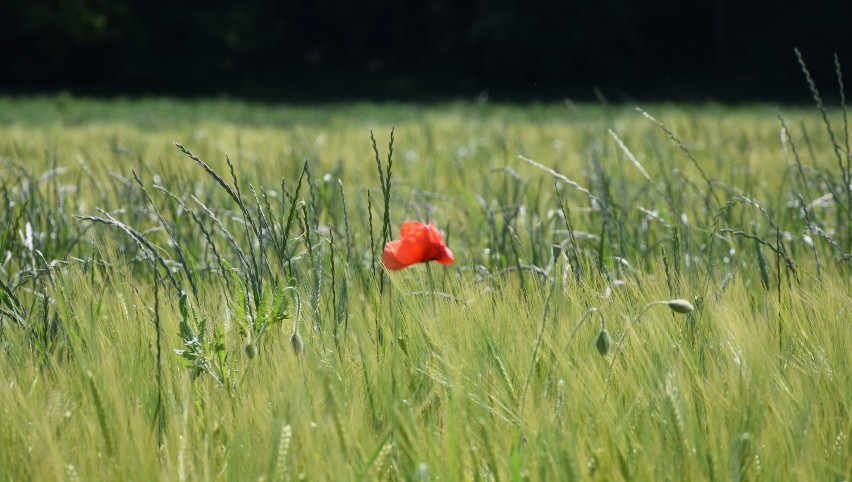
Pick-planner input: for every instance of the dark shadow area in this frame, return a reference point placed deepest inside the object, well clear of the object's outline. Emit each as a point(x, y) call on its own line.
point(512, 50)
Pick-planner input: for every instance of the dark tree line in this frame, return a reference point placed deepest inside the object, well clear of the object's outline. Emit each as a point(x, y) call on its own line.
point(383, 48)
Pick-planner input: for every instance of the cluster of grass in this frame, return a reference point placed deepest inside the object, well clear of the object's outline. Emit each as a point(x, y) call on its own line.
point(218, 309)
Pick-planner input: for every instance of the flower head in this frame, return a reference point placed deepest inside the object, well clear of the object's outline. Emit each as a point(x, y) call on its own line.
point(603, 342)
point(420, 243)
point(680, 306)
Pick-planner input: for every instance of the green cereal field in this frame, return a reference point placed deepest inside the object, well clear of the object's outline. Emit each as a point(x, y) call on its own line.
point(200, 290)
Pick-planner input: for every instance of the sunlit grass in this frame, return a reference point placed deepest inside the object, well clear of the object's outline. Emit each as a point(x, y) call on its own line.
point(488, 370)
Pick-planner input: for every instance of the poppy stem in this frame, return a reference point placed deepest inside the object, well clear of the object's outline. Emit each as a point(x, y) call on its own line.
point(431, 287)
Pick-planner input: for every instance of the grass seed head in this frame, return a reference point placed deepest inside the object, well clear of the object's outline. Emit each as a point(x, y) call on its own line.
point(422, 472)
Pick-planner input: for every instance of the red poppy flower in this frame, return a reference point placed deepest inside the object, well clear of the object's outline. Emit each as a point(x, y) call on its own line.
point(420, 243)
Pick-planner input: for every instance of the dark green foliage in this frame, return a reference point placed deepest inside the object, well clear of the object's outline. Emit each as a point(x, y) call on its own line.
point(386, 49)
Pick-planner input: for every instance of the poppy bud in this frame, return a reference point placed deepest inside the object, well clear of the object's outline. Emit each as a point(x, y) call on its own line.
point(603, 342)
point(297, 343)
point(556, 250)
point(680, 306)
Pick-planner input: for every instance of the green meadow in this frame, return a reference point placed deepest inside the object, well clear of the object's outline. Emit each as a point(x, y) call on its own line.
point(193, 290)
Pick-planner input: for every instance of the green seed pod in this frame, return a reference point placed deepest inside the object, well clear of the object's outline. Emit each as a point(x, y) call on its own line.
point(250, 351)
point(603, 342)
point(680, 306)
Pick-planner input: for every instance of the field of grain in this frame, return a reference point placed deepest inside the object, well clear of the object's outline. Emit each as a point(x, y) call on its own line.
point(193, 290)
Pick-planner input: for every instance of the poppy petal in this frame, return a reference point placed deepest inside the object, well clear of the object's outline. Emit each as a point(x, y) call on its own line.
point(389, 256)
point(409, 227)
point(446, 256)
point(413, 250)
